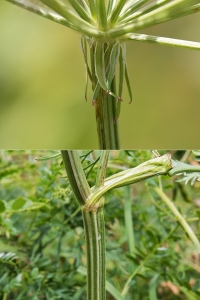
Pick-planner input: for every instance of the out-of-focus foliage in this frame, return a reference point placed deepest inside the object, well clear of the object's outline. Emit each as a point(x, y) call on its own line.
point(42, 236)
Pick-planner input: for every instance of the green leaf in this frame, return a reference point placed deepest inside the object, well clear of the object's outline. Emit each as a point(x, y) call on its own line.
point(34, 272)
point(134, 259)
point(100, 65)
point(153, 287)
point(198, 213)
point(196, 152)
point(112, 290)
point(18, 203)
point(128, 84)
point(2, 206)
point(49, 156)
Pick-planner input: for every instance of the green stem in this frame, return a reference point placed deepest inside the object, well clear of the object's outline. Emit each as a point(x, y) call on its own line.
point(105, 108)
point(101, 173)
point(128, 219)
point(93, 222)
point(164, 41)
point(180, 167)
point(76, 175)
point(102, 252)
point(43, 12)
point(153, 167)
point(179, 218)
point(95, 248)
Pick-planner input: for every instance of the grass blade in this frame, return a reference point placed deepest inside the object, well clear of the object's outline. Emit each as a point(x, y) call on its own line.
point(179, 218)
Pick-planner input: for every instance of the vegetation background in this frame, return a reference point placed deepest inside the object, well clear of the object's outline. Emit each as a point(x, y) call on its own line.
point(42, 82)
point(42, 239)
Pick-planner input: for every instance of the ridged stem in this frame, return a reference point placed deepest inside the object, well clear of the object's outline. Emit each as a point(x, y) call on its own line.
point(107, 129)
point(93, 221)
point(95, 248)
point(76, 175)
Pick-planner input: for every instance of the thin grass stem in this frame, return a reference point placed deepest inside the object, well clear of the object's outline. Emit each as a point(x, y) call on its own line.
point(179, 218)
point(128, 219)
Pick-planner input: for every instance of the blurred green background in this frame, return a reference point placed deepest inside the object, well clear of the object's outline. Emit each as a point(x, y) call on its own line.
point(42, 82)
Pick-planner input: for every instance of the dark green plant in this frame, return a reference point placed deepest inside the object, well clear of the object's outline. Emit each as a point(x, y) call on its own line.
point(105, 27)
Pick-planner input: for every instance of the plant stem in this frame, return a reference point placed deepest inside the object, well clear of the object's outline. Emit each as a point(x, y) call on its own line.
point(105, 110)
point(107, 129)
point(101, 173)
point(93, 221)
point(179, 218)
point(153, 167)
point(164, 41)
point(95, 248)
point(128, 219)
point(180, 167)
point(76, 175)
point(102, 253)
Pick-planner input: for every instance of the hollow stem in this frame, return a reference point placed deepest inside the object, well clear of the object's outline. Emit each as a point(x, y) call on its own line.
point(95, 248)
point(93, 221)
point(76, 175)
point(107, 129)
